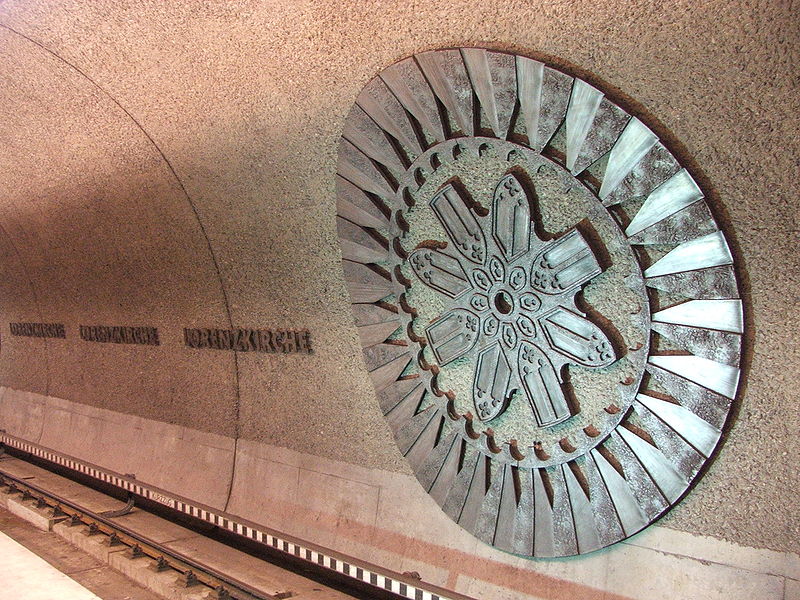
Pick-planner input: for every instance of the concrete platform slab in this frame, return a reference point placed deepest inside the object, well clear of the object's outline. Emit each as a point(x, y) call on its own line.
point(93, 545)
point(47, 545)
point(165, 583)
point(25, 576)
point(99, 578)
point(253, 571)
point(28, 511)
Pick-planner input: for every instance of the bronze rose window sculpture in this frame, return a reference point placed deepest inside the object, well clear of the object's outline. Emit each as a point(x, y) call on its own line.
point(547, 307)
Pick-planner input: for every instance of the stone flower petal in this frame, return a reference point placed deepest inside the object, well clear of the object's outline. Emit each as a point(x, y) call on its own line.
point(577, 338)
point(530, 302)
point(497, 270)
point(453, 335)
point(517, 278)
point(490, 325)
point(490, 390)
point(460, 224)
point(440, 271)
point(564, 265)
point(525, 349)
point(481, 279)
point(511, 222)
point(479, 302)
point(526, 326)
point(509, 335)
point(542, 386)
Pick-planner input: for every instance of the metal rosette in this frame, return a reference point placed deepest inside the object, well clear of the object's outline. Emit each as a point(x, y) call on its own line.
point(547, 308)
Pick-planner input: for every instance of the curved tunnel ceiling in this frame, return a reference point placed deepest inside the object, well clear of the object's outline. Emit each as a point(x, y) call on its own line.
point(97, 225)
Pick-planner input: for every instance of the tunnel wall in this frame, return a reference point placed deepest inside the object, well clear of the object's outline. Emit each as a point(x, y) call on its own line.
point(172, 165)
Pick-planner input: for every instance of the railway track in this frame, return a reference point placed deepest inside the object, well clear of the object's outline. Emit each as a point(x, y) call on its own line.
point(29, 484)
point(192, 571)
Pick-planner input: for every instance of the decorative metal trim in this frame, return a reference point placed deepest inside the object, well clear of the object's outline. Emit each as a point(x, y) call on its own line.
point(415, 212)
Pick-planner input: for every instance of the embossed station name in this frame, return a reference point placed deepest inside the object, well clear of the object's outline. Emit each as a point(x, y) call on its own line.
point(250, 340)
point(106, 334)
point(41, 330)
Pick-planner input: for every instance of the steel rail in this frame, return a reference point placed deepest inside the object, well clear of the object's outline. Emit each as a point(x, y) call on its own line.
point(194, 571)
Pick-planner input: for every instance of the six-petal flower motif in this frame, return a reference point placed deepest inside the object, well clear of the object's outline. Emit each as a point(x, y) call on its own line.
point(512, 302)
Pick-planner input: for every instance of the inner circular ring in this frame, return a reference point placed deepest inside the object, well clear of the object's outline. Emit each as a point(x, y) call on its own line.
point(542, 447)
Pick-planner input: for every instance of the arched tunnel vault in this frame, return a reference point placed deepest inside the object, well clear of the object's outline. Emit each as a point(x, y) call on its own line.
point(173, 166)
point(101, 232)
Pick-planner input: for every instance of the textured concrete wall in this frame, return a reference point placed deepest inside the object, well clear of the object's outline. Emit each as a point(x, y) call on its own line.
point(171, 164)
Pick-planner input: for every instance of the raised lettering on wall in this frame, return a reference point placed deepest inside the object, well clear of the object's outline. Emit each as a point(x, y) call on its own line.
point(282, 341)
point(41, 330)
point(106, 334)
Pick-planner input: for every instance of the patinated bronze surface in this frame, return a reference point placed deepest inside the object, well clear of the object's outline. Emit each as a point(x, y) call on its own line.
point(548, 309)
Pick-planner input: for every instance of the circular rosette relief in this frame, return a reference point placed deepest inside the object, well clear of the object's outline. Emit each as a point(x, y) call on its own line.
point(547, 308)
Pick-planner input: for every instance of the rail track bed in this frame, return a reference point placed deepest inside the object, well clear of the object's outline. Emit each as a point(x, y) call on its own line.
point(167, 552)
